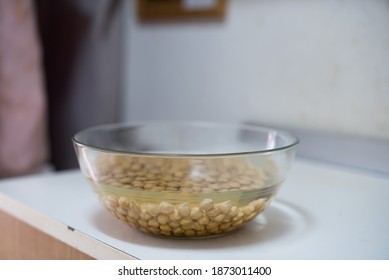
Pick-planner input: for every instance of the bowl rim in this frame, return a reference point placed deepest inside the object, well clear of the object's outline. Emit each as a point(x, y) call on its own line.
point(294, 141)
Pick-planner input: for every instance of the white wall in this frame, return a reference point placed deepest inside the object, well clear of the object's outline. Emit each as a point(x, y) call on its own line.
point(305, 63)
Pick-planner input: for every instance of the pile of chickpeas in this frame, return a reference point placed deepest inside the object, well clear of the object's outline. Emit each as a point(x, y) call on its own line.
point(183, 193)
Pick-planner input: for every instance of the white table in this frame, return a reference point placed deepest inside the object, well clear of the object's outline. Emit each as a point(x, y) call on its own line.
point(323, 211)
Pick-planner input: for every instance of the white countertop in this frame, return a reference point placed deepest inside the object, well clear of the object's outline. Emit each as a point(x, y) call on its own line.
point(323, 211)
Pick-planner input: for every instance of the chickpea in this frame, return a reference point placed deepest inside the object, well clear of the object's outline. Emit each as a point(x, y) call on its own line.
point(169, 217)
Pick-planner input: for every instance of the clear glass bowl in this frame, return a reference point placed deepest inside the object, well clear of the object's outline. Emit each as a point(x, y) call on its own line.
point(185, 179)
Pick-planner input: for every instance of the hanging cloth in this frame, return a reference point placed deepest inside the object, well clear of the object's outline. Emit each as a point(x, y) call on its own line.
point(23, 145)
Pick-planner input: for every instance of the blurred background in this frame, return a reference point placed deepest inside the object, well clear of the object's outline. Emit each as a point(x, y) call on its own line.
point(319, 66)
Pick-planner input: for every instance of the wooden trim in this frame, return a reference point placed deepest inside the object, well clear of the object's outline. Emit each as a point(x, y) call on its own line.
point(20, 241)
point(172, 10)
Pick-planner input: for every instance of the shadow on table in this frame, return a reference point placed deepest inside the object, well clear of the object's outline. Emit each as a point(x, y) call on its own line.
point(281, 222)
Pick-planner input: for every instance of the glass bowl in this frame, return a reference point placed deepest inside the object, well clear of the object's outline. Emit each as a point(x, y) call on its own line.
point(185, 179)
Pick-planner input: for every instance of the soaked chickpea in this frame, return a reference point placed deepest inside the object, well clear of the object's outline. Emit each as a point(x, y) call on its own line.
point(175, 197)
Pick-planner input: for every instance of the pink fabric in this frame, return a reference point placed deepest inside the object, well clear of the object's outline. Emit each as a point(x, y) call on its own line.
point(23, 145)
